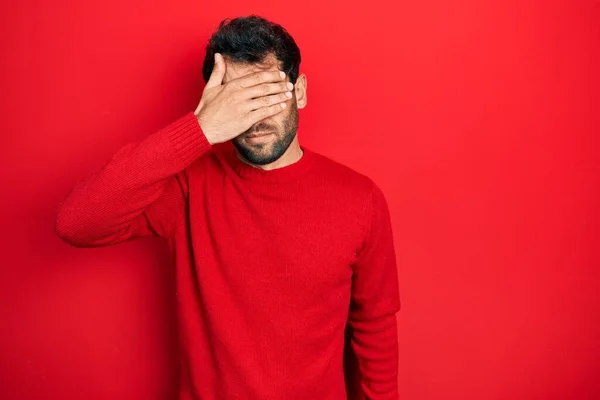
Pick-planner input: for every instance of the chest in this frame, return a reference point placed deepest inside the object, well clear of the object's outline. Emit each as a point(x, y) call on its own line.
point(278, 236)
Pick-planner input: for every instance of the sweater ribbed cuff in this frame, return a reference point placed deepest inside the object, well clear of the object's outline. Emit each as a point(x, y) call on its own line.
point(187, 138)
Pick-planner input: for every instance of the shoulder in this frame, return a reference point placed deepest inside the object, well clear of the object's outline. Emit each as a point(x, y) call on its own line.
point(343, 177)
point(354, 193)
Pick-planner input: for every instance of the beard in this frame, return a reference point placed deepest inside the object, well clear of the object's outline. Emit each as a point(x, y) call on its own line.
point(266, 153)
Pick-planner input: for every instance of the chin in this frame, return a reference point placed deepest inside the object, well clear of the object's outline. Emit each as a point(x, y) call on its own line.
point(260, 158)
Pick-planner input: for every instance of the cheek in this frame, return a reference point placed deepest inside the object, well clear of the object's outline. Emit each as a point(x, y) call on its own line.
point(287, 113)
point(276, 121)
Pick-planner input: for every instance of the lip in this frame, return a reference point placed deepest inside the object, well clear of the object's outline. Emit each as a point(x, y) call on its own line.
point(255, 135)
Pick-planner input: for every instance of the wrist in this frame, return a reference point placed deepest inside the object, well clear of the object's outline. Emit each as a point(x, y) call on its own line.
point(209, 137)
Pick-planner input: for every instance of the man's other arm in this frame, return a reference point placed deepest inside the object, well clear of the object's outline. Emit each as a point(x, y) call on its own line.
point(375, 302)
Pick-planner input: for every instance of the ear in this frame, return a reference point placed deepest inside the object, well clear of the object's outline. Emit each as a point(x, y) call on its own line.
point(300, 91)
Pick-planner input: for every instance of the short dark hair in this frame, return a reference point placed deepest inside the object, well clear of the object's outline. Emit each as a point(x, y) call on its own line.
point(250, 40)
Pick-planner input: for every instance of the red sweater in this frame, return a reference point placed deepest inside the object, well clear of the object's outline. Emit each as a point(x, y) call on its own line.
point(270, 265)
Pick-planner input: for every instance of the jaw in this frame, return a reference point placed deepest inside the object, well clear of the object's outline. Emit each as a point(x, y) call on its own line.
point(264, 150)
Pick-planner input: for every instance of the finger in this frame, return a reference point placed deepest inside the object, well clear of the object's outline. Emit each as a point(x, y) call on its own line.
point(256, 78)
point(218, 72)
point(266, 101)
point(265, 112)
point(266, 89)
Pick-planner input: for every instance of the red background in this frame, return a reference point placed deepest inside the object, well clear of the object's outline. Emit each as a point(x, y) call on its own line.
point(478, 119)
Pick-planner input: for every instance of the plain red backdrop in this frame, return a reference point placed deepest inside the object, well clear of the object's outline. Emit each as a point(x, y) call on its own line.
point(478, 119)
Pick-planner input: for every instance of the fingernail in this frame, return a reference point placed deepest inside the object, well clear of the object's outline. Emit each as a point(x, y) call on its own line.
point(288, 94)
point(283, 105)
point(290, 85)
point(282, 74)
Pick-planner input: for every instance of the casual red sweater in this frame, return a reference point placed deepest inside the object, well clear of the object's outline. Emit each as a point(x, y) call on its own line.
point(270, 265)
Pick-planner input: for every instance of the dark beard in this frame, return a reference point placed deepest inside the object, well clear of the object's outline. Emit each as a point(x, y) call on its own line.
point(254, 154)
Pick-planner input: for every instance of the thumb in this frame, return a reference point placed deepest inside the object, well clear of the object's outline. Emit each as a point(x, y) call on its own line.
point(218, 72)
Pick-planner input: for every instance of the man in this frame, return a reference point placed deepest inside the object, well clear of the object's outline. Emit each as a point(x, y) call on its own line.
point(276, 248)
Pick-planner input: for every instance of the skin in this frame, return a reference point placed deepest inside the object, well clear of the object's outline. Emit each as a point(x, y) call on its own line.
point(280, 147)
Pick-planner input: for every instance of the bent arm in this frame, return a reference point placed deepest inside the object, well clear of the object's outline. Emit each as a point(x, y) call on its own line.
point(139, 192)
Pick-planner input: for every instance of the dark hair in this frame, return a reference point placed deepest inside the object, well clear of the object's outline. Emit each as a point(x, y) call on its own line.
point(250, 40)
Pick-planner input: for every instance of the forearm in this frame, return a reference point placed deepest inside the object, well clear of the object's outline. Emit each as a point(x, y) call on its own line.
point(107, 206)
point(375, 344)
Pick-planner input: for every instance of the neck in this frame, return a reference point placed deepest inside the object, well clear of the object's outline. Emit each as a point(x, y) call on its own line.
point(291, 155)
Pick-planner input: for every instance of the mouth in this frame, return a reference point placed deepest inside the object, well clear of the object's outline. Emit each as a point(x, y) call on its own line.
point(258, 134)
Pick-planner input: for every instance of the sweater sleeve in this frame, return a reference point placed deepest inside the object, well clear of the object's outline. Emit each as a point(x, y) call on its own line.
point(140, 192)
point(374, 304)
